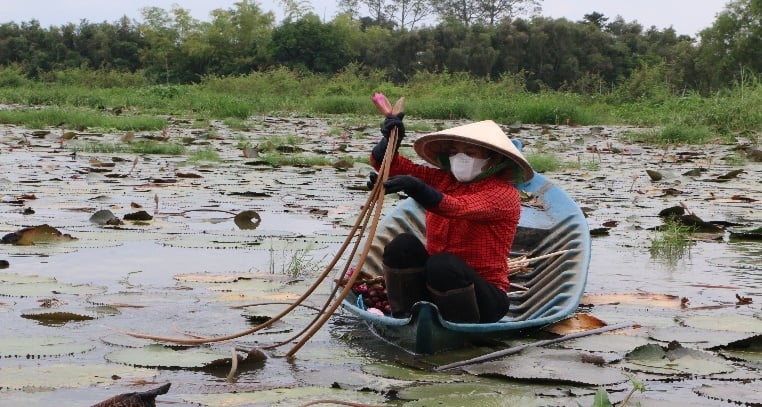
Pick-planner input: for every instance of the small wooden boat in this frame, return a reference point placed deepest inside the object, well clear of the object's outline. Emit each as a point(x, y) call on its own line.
point(551, 225)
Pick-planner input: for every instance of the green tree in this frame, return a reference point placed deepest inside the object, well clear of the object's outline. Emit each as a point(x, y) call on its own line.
point(732, 47)
point(310, 44)
point(489, 12)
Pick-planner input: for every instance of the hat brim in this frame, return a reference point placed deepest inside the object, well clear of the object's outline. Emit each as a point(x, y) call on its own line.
point(487, 134)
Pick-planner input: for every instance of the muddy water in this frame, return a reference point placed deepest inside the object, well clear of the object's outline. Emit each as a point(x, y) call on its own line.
point(191, 270)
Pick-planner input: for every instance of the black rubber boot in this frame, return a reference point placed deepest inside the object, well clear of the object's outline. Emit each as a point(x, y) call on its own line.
point(456, 305)
point(404, 287)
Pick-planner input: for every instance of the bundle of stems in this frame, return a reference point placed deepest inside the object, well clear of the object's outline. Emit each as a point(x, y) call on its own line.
point(520, 264)
point(370, 214)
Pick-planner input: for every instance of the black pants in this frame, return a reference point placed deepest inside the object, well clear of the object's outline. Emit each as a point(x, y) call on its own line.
point(445, 271)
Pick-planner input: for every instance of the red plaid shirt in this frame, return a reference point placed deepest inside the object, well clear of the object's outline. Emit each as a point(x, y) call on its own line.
point(475, 221)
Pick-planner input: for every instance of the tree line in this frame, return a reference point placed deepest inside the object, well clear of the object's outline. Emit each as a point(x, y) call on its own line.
point(593, 55)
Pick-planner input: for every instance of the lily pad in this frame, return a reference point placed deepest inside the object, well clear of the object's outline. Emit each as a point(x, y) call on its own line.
point(675, 360)
point(555, 365)
point(748, 350)
point(397, 372)
point(294, 396)
point(725, 322)
point(38, 347)
point(163, 357)
point(47, 288)
point(706, 338)
point(54, 376)
point(736, 393)
point(606, 343)
point(470, 394)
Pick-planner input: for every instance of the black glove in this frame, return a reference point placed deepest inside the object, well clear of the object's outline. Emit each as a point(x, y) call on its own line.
point(372, 178)
point(389, 123)
point(413, 187)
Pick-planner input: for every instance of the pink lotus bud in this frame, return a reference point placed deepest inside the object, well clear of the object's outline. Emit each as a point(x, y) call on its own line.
point(382, 103)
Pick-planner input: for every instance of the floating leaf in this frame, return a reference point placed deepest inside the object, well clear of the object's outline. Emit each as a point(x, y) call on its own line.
point(736, 393)
point(606, 343)
point(55, 318)
point(654, 175)
point(402, 373)
point(468, 394)
point(43, 289)
point(291, 396)
point(243, 220)
point(725, 322)
point(577, 323)
point(748, 350)
point(35, 234)
point(105, 217)
point(54, 376)
point(706, 338)
point(550, 365)
point(38, 347)
point(163, 357)
point(649, 299)
point(675, 360)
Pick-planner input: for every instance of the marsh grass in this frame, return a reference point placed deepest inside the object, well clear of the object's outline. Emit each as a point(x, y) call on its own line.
point(672, 242)
point(277, 159)
point(137, 147)
point(69, 118)
point(206, 154)
point(296, 264)
point(545, 162)
point(86, 98)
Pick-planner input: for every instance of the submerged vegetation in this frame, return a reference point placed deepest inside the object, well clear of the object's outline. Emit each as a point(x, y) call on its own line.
point(672, 242)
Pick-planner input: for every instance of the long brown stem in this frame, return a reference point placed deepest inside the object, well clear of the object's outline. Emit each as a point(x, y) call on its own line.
point(378, 205)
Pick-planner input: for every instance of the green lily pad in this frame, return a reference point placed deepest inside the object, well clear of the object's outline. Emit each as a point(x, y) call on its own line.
point(38, 347)
point(748, 350)
point(469, 394)
point(397, 372)
point(43, 289)
point(675, 360)
point(163, 357)
point(142, 299)
point(706, 338)
point(736, 393)
point(55, 376)
point(555, 365)
point(20, 278)
point(294, 396)
point(725, 322)
point(606, 343)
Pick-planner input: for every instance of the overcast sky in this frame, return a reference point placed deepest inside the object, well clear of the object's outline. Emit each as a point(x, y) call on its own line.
point(685, 16)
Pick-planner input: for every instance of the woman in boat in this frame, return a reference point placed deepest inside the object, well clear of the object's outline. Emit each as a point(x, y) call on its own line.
point(472, 212)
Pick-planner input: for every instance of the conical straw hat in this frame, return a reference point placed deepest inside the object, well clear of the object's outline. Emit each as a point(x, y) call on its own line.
point(486, 134)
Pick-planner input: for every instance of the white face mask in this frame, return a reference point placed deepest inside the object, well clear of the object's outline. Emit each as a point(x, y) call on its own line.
point(466, 168)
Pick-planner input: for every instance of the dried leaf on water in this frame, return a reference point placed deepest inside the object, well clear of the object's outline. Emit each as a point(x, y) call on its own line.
point(35, 234)
point(244, 220)
point(577, 323)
